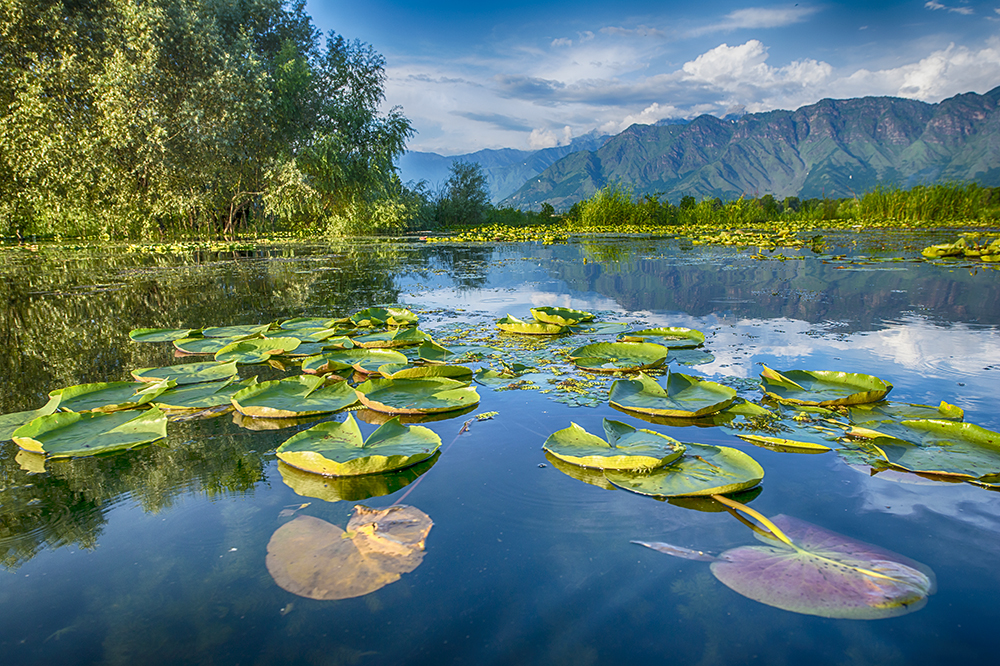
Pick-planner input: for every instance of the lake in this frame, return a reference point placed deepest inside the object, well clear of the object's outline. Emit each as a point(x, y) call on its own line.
point(159, 554)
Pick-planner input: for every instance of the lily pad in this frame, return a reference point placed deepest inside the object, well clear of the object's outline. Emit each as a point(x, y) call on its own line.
point(187, 373)
point(202, 346)
point(378, 316)
point(11, 422)
point(593, 477)
point(352, 488)
point(298, 323)
point(293, 397)
point(397, 337)
point(793, 438)
point(315, 559)
point(397, 371)
point(68, 434)
point(684, 396)
point(737, 408)
point(673, 337)
point(626, 447)
point(241, 331)
point(108, 396)
point(619, 356)
point(512, 324)
point(560, 316)
point(337, 449)
point(884, 411)
point(257, 350)
point(160, 334)
point(431, 352)
point(823, 387)
point(416, 396)
point(365, 361)
point(820, 573)
point(202, 396)
point(701, 470)
point(690, 356)
point(932, 446)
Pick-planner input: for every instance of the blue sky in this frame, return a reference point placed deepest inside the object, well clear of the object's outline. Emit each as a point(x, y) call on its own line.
point(531, 75)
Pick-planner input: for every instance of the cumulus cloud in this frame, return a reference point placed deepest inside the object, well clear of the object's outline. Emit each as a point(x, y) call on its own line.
point(547, 138)
point(934, 6)
point(647, 116)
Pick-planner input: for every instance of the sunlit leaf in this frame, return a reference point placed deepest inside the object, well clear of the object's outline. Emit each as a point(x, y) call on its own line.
point(337, 449)
point(67, 434)
point(626, 448)
point(684, 396)
point(416, 396)
point(560, 316)
point(701, 470)
point(293, 397)
point(888, 412)
point(187, 373)
point(673, 337)
point(305, 322)
point(397, 371)
point(312, 558)
point(352, 488)
point(11, 422)
point(378, 316)
point(512, 324)
point(619, 356)
point(365, 361)
point(160, 334)
point(241, 331)
point(202, 396)
point(257, 350)
point(108, 396)
point(205, 346)
point(396, 337)
point(823, 387)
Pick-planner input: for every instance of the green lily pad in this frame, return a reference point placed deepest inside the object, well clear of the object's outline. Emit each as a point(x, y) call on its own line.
point(396, 337)
point(416, 396)
point(673, 337)
point(202, 396)
point(626, 448)
point(794, 437)
point(241, 331)
point(593, 477)
point(431, 352)
point(512, 324)
point(257, 350)
point(560, 316)
point(11, 422)
point(160, 334)
point(68, 434)
point(950, 448)
point(819, 573)
point(365, 361)
point(187, 373)
point(108, 396)
point(203, 346)
point(701, 470)
point(397, 371)
point(889, 412)
point(737, 408)
point(305, 322)
point(352, 488)
point(619, 356)
point(378, 316)
point(337, 449)
point(823, 387)
point(293, 397)
point(685, 396)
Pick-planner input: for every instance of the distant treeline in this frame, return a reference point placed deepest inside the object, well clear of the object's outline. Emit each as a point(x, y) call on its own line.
point(133, 119)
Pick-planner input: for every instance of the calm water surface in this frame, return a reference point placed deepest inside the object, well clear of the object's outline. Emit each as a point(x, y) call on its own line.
point(157, 556)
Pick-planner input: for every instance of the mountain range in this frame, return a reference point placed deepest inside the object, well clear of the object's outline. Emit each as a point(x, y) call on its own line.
point(834, 148)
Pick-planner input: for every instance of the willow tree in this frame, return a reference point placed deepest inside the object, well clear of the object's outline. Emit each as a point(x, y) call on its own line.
point(120, 117)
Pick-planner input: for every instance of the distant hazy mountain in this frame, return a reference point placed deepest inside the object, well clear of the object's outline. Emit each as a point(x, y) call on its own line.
point(833, 148)
point(506, 169)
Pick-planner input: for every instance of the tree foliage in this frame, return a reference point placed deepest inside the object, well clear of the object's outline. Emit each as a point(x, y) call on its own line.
point(119, 118)
point(466, 197)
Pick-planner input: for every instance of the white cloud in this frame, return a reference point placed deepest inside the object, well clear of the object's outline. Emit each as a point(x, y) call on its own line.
point(542, 138)
point(743, 67)
point(759, 17)
point(647, 116)
point(562, 41)
point(933, 6)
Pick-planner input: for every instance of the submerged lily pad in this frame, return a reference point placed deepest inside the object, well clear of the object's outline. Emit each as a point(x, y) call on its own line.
point(512, 324)
point(701, 470)
point(560, 316)
point(337, 449)
point(293, 397)
point(187, 373)
point(108, 396)
point(684, 396)
point(257, 350)
point(619, 356)
point(68, 434)
point(202, 396)
point(416, 396)
point(819, 573)
point(315, 559)
point(352, 488)
point(626, 447)
point(673, 337)
point(823, 387)
point(160, 334)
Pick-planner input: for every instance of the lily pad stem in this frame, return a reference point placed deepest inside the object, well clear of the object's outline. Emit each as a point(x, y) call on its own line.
point(771, 527)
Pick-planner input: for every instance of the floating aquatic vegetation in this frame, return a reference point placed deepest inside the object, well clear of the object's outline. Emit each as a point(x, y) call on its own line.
point(560, 316)
point(108, 396)
point(966, 246)
point(11, 422)
point(383, 316)
point(823, 387)
point(626, 448)
point(187, 373)
point(619, 356)
point(701, 470)
point(312, 558)
point(203, 346)
point(673, 337)
point(352, 488)
point(338, 449)
point(257, 350)
point(397, 337)
point(364, 361)
point(806, 569)
point(512, 324)
point(161, 334)
point(204, 395)
point(293, 397)
point(416, 396)
point(684, 396)
point(239, 331)
point(398, 371)
point(68, 434)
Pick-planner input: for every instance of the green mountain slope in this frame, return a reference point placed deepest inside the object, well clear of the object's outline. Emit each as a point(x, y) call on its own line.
point(834, 148)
